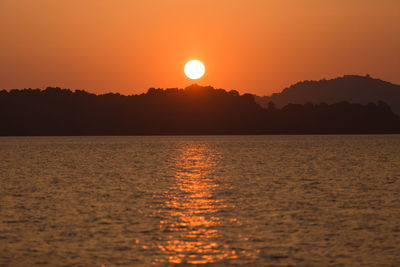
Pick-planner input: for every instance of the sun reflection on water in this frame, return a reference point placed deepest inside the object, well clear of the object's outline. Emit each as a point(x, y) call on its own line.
point(192, 222)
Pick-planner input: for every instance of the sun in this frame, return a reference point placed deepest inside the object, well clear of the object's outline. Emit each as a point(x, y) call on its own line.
point(194, 69)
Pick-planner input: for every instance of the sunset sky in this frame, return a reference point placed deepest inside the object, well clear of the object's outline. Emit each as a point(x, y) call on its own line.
point(256, 46)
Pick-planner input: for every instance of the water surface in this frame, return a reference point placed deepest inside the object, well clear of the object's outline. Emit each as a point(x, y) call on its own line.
point(258, 200)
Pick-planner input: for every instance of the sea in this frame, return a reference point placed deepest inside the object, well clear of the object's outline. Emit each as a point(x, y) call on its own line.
point(273, 200)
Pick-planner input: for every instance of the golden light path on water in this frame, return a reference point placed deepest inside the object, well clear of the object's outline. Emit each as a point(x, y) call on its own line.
point(193, 222)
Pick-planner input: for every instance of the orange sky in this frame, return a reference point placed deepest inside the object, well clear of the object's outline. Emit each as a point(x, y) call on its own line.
point(256, 46)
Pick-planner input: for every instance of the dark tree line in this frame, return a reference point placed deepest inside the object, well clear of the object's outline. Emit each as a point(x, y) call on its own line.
point(193, 110)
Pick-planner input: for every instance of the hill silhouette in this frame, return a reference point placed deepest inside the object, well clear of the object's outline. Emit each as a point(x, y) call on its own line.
point(193, 110)
point(352, 88)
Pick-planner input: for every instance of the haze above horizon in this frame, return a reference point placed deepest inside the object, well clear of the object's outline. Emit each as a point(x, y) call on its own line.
point(253, 46)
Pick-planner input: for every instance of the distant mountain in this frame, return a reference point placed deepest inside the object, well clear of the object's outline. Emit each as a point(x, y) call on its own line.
point(193, 110)
point(351, 88)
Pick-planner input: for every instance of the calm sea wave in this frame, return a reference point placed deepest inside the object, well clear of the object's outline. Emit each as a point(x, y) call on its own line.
point(218, 200)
